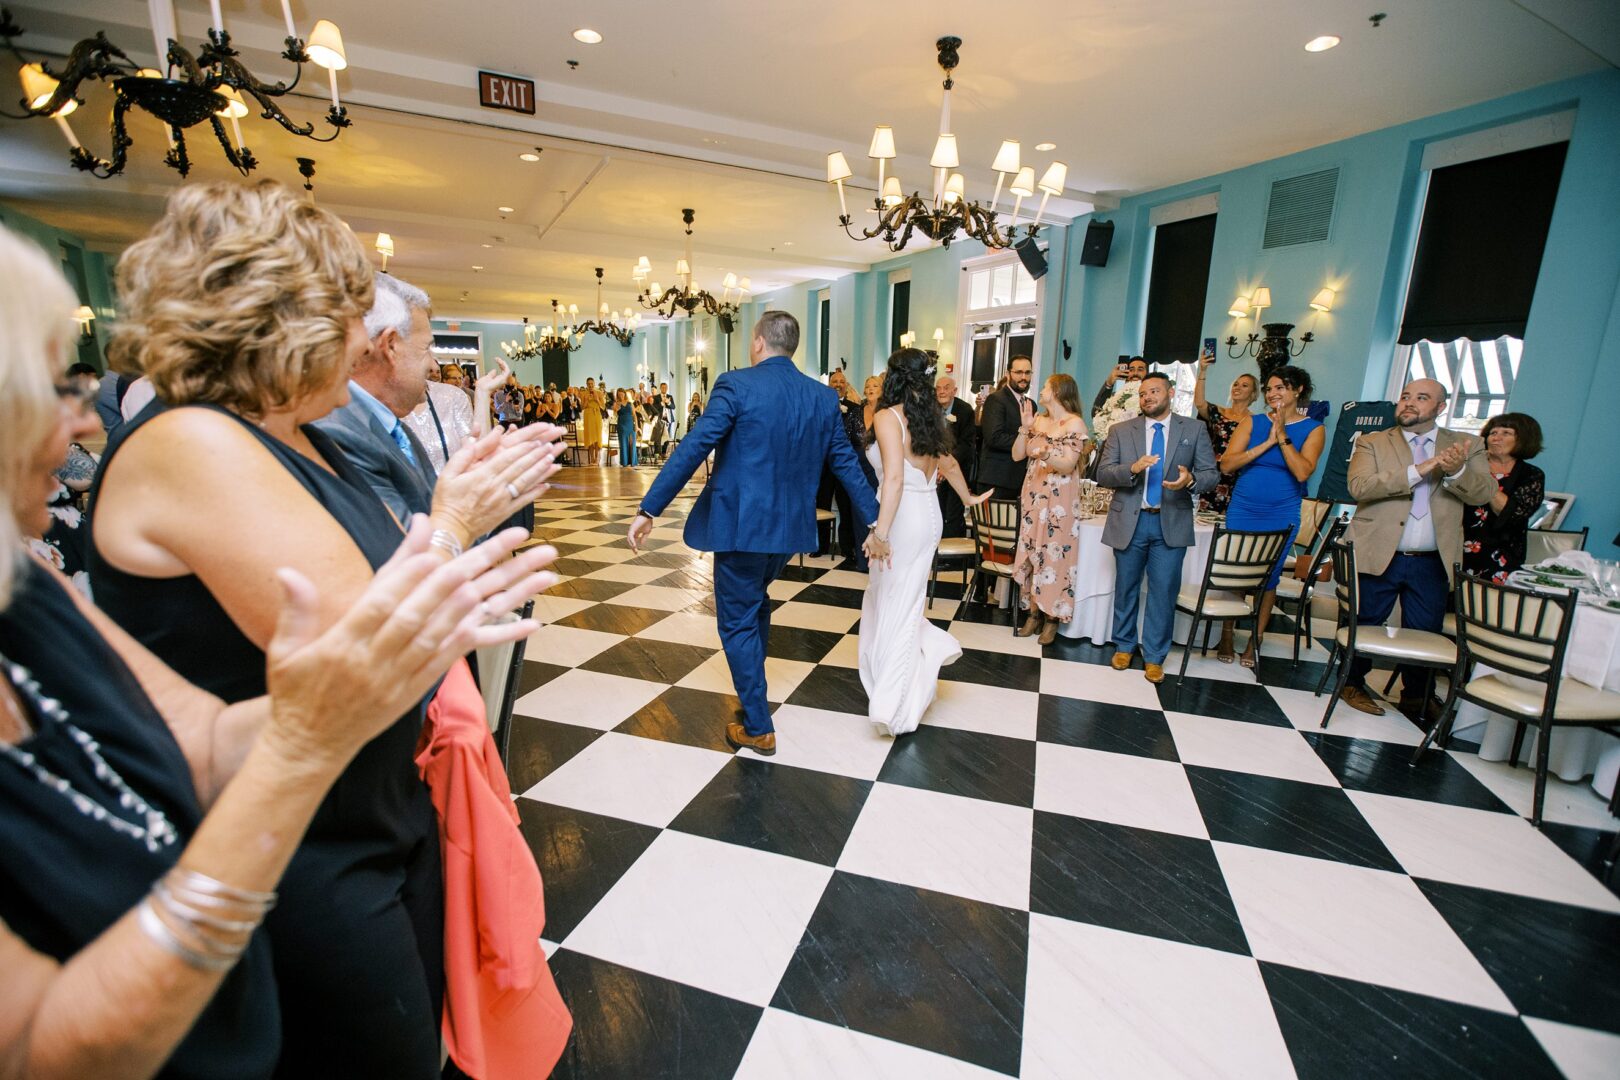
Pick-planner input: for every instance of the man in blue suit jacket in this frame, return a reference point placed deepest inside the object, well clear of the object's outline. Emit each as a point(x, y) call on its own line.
point(771, 429)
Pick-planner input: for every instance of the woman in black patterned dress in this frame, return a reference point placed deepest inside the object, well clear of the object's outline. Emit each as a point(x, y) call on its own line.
point(1494, 535)
point(1222, 420)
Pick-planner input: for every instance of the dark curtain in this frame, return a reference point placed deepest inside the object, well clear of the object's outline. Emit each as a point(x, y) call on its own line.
point(900, 315)
point(1176, 290)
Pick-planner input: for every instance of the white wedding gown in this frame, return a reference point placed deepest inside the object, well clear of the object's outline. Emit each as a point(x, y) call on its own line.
point(900, 651)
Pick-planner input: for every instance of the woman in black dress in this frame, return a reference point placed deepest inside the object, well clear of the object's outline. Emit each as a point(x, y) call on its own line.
point(216, 485)
point(130, 800)
point(1222, 421)
point(1494, 535)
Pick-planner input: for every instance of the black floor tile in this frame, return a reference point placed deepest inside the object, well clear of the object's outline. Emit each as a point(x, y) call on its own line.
point(1272, 671)
point(1337, 1028)
point(691, 578)
point(831, 595)
point(995, 669)
point(575, 567)
point(834, 689)
point(1221, 699)
point(1135, 880)
point(613, 619)
point(1077, 650)
point(581, 856)
point(644, 658)
point(923, 968)
point(796, 812)
point(687, 716)
point(667, 560)
point(969, 763)
point(987, 613)
point(581, 588)
point(795, 572)
point(1286, 815)
point(1589, 847)
point(535, 674)
point(1098, 725)
point(541, 747)
point(797, 643)
point(630, 1024)
point(1386, 769)
point(1553, 961)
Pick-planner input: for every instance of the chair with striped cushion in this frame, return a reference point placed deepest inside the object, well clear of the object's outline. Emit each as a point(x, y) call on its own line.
point(1524, 636)
point(1234, 579)
point(995, 542)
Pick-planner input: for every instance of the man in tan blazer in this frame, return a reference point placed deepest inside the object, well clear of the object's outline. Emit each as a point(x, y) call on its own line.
point(1410, 484)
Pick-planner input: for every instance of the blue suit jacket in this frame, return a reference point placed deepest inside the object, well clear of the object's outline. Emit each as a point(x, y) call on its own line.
point(772, 428)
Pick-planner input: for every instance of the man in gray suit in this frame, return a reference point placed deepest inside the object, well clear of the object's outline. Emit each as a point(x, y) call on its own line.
point(1155, 463)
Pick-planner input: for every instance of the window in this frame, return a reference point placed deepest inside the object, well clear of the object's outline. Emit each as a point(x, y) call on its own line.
point(1478, 374)
point(899, 308)
point(1002, 286)
point(1178, 284)
point(1000, 306)
point(824, 328)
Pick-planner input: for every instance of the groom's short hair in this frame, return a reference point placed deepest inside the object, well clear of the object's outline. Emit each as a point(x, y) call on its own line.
point(779, 331)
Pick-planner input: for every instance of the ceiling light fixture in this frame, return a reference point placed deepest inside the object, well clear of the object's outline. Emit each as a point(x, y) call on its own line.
point(587, 36)
point(1043, 147)
point(210, 87)
point(529, 156)
point(684, 297)
point(1322, 44)
point(948, 213)
point(607, 321)
point(504, 210)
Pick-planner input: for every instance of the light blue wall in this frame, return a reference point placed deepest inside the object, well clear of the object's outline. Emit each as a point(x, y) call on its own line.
point(98, 291)
point(600, 357)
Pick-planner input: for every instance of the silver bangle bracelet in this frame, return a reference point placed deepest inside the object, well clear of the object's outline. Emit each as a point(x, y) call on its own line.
point(167, 940)
point(192, 881)
point(446, 541)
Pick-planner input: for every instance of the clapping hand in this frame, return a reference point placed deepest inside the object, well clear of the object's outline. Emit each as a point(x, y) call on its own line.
point(494, 377)
point(1183, 480)
point(1451, 458)
point(1026, 411)
point(1144, 463)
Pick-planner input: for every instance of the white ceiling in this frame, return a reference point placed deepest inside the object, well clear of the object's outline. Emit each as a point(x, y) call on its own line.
point(729, 107)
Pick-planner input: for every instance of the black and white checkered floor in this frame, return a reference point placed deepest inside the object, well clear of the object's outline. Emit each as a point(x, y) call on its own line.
point(1065, 872)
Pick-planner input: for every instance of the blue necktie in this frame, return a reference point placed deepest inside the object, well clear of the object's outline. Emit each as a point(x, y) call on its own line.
point(403, 443)
point(1155, 473)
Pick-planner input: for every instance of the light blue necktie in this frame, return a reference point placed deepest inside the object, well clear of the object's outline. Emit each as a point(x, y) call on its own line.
point(403, 442)
point(1420, 494)
point(1155, 473)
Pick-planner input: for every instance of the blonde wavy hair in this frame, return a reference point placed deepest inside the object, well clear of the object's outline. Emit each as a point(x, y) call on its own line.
point(36, 338)
point(240, 296)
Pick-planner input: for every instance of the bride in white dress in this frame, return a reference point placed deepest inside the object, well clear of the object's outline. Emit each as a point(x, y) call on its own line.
point(900, 651)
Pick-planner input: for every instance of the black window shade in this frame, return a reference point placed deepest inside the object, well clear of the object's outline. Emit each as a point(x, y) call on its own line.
point(1176, 290)
point(899, 313)
point(1479, 246)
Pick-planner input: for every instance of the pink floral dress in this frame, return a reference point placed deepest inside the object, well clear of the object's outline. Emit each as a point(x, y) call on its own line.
point(1048, 558)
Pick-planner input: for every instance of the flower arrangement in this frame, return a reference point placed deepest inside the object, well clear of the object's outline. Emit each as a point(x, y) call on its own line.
point(1121, 407)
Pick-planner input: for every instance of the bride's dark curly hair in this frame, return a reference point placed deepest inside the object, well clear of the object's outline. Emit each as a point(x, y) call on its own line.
point(909, 383)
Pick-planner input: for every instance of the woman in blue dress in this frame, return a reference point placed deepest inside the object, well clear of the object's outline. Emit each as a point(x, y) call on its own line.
point(625, 414)
point(1273, 454)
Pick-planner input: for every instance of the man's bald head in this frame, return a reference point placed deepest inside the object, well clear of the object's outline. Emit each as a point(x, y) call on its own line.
point(1421, 401)
point(945, 389)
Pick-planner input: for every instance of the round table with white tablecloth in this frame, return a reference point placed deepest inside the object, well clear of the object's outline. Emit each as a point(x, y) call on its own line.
point(1593, 657)
point(1094, 589)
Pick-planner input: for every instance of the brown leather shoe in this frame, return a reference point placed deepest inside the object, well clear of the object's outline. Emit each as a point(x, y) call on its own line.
point(764, 745)
point(1120, 661)
point(1154, 673)
point(1031, 624)
point(1049, 632)
point(1358, 699)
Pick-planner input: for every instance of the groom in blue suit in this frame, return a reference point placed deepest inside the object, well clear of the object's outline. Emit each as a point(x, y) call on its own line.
point(771, 429)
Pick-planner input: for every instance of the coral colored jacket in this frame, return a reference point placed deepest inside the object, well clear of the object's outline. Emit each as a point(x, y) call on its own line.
point(503, 1016)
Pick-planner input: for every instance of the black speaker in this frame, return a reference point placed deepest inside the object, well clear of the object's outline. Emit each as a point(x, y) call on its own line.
point(1099, 238)
point(1030, 255)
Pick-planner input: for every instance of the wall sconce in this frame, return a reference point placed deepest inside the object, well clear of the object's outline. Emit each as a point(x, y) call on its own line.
point(939, 336)
point(385, 248)
point(1239, 308)
point(83, 315)
point(1323, 300)
point(1259, 302)
point(908, 339)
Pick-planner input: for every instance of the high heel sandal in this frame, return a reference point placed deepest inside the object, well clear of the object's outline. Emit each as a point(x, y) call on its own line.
point(1251, 655)
point(1224, 652)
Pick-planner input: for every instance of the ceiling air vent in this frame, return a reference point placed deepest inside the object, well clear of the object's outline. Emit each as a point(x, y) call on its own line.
point(1301, 209)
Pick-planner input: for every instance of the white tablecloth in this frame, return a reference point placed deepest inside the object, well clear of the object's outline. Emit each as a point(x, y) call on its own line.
point(1593, 658)
point(1094, 594)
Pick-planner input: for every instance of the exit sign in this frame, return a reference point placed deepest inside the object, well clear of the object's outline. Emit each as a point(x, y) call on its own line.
point(505, 92)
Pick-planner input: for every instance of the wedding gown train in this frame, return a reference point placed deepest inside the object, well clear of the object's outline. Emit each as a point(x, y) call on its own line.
point(900, 651)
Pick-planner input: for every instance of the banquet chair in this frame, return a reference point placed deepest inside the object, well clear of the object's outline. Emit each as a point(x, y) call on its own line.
point(962, 550)
point(823, 516)
point(995, 543)
point(499, 671)
point(1523, 636)
point(1542, 544)
point(1414, 648)
point(1293, 595)
point(1234, 579)
point(571, 441)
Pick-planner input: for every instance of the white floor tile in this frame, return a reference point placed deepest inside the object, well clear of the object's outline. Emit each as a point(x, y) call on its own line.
point(787, 1046)
point(845, 654)
point(567, 645)
point(1105, 1003)
point(948, 843)
point(783, 589)
point(1120, 788)
point(625, 776)
point(1304, 710)
point(994, 710)
point(655, 597)
point(635, 575)
point(844, 579)
point(988, 637)
point(685, 628)
point(1207, 667)
point(1093, 682)
point(584, 536)
point(591, 699)
point(941, 608)
point(1565, 803)
point(1582, 1054)
point(782, 677)
point(1248, 748)
point(550, 609)
point(1370, 925)
point(717, 916)
point(832, 742)
point(836, 620)
point(1488, 850)
point(668, 532)
point(611, 552)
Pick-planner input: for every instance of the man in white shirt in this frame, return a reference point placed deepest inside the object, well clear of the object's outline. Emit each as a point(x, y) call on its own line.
point(1411, 483)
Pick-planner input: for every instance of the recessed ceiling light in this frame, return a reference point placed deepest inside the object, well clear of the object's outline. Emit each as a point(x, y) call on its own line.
point(504, 210)
point(1045, 146)
point(587, 36)
point(787, 243)
point(488, 245)
point(528, 157)
point(478, 268)
point(1322, 44)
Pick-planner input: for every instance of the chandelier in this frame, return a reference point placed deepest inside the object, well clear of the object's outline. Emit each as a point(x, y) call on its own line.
point(213, 86)
point(948, 212)
point(529, 347)
point(684, 297)
point(608, 321)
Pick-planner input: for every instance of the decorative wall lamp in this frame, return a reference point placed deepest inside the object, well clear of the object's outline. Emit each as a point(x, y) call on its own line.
point(1323, 300)
point(385, 248)
point(83, 315)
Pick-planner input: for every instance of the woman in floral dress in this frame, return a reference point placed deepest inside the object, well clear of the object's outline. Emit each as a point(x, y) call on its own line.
point(1048, 556)
point(1222, 421)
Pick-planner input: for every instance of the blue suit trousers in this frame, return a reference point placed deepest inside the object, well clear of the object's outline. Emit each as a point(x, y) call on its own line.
point(1147, 551)
point(743, 611)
